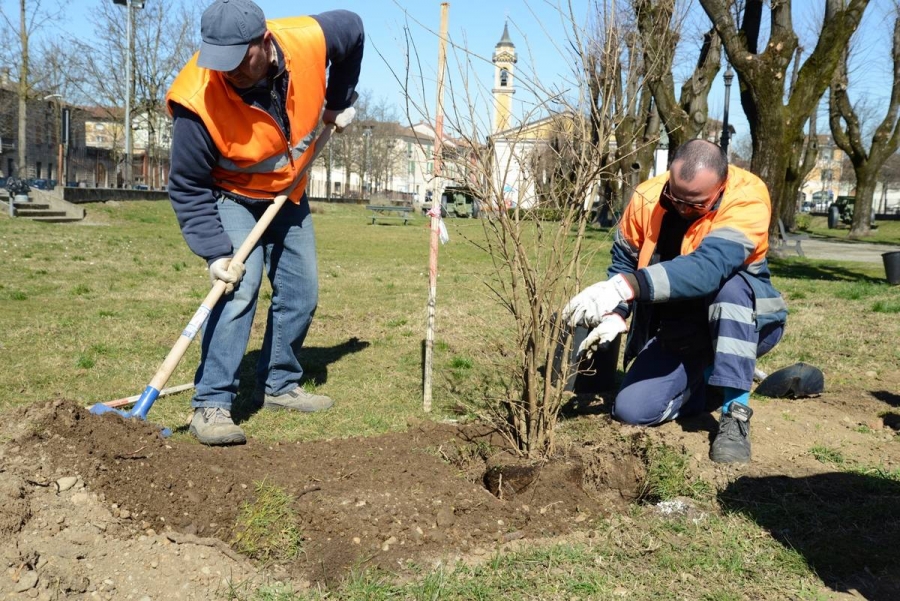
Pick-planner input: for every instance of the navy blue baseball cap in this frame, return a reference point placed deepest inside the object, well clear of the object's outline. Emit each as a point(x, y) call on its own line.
point(226, 28)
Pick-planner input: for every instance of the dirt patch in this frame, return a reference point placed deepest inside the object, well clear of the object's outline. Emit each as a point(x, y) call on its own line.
point(97, 507)
point(414, 497)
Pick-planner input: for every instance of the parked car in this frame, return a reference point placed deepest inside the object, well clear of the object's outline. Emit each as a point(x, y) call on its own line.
point(39, 184)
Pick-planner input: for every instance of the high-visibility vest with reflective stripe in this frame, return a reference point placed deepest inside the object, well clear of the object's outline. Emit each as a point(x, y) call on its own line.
point(744, 207)
point(256, 160)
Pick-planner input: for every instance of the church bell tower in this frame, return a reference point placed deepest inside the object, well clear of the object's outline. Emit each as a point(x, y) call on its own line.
point(504, 60)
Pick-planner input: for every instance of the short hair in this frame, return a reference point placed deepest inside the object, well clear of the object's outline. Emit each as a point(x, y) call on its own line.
point(701, 154)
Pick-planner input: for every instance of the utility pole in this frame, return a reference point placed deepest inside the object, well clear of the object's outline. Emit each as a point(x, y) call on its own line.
point(129, 83)
point(435, 210)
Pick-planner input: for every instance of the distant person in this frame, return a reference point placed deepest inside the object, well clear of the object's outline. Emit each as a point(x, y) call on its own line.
point(245, 111)
point(689, 266)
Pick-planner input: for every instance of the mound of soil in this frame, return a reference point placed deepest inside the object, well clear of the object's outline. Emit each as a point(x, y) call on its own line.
point(102, 508)
point(156, 516)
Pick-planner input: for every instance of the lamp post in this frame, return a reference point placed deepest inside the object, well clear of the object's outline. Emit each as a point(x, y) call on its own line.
point(57, 99)
point(729, 75)
point(367, 133)
point(129, 42)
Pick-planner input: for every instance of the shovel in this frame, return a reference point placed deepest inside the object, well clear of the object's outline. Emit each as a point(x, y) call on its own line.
point(148, 397)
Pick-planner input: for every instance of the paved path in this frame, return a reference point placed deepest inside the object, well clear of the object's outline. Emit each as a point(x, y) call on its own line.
point(845, 251)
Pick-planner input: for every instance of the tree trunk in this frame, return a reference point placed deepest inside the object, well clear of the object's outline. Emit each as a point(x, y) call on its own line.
point(22, 167)
point(847, 132)
point(775, 126)
point(862, 206)
point(683, 118)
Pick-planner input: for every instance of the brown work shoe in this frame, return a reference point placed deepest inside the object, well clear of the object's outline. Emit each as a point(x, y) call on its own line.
point(294, 400)
point(214, 426)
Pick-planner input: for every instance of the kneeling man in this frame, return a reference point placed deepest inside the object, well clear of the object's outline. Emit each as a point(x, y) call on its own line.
point(689, 267)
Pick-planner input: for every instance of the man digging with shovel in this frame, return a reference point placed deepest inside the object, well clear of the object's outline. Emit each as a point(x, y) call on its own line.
point(245, 110)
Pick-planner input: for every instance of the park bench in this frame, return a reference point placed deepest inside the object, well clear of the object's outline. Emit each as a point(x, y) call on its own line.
point(390, 212)
point(787, 239)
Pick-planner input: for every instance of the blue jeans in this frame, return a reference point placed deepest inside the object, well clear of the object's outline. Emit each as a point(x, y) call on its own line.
point(287, 251)
point(661, 385)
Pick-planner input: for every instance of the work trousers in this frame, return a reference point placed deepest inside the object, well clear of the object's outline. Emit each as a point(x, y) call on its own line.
point(287, 254)
point(661, 385)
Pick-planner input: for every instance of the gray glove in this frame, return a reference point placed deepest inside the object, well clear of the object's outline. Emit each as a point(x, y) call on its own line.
point(227, 270)
point(340, 119)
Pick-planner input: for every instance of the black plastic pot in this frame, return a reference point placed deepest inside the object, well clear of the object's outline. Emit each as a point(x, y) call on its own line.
point(594, 375)
point(892, 266)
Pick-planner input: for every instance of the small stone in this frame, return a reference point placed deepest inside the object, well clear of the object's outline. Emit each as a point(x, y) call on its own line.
point(386, 545)
point(445, 517)
point(511, 536)
point(26, 581)
point(64, 484)
point(871, 374)
point(356, 540)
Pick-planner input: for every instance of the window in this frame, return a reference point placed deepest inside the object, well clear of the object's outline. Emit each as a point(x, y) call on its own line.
point(504, 78)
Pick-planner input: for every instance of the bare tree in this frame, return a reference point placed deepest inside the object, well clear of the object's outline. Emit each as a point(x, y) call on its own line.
point(534, 182)
point(684, 118)
point(33, 16)
point(165, 35)
point(624, 119)
point(776, 126)
point(847, 133)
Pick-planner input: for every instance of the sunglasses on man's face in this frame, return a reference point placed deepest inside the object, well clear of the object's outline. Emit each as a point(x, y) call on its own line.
point(691, 205)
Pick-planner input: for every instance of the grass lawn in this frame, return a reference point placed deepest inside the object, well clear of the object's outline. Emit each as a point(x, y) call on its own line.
point(887, 232)
point(90, 310)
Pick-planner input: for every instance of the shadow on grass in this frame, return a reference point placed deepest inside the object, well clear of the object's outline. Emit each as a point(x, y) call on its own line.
point(315, 361)
point(819, 271)
point(843, 524)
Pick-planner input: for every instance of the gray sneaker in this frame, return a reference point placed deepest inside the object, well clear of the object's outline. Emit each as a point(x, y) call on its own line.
point(732, 443)
point(296, 400)
point(213, 426)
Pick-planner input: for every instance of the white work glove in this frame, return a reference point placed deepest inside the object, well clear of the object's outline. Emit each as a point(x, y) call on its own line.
point(340, 119)
point(227, 270)
point(611, 325)
point(588, 307)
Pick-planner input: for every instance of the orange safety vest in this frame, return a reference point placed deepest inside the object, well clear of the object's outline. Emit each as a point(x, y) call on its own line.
point(256, 160)
point(744, 207)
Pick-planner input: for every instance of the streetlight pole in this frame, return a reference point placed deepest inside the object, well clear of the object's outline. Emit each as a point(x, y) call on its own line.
point(729, 75)
point(57, 99)
point(367, 133)
point(129, 42)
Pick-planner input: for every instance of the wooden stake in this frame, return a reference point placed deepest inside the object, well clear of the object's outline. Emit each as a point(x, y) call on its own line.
point(435, 210)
